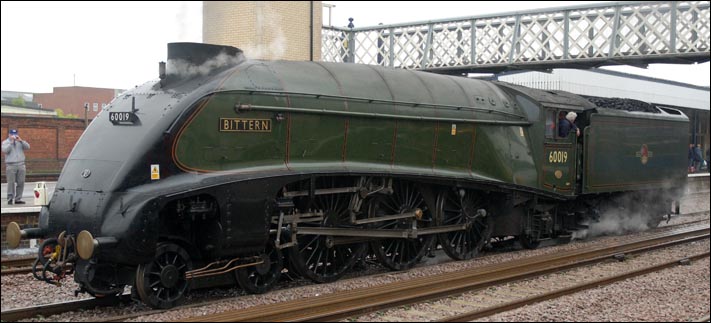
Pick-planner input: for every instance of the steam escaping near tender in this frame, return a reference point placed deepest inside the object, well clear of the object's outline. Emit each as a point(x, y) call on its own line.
point(232, 169)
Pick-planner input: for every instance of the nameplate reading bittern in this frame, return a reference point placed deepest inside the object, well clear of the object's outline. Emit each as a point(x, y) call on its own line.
point(245, 125)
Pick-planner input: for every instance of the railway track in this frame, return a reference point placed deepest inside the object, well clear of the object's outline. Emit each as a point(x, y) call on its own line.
point(12, 266)
point(18, 262)
point(59, 308)
point(507, 306)
point(355, 302)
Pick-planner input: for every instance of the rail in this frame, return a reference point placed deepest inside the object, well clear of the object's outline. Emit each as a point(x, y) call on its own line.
point(338, 306)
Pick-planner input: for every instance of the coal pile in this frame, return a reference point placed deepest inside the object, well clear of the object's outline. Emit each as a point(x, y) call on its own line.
point(622, 104)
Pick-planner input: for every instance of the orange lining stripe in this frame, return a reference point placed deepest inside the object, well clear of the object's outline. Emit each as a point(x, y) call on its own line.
point(189, 121)
point(345, 141)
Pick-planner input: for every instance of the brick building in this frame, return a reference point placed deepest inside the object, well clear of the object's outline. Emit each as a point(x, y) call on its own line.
point(51, 140)
point(71, 99)
point(265, 29)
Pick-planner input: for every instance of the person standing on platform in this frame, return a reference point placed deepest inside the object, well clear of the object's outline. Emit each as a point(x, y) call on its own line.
point(691, 158)
point(14, 149)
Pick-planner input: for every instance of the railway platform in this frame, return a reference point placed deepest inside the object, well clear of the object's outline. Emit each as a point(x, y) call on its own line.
point(27, 197)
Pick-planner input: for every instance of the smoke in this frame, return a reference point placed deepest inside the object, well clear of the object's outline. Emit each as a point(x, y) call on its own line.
point(185, 69)
point(188, 20)
point(181, 20)
point(631, 212)
point(619, 221)
point(267, 25)
point(616, 221)
point(273, 50)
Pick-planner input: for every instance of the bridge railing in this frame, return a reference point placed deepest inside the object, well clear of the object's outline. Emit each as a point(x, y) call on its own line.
point(618, 33)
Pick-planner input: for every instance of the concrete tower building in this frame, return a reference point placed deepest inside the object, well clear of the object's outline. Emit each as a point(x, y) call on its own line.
point(289, 30)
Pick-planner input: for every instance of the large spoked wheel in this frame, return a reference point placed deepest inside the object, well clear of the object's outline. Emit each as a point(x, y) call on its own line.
point(401, 254)
point(317, 257)
point(261, 278)
point(461, 207)
point(161, 283)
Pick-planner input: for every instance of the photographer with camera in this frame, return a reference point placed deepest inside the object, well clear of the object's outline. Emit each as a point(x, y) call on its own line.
point(14, 149)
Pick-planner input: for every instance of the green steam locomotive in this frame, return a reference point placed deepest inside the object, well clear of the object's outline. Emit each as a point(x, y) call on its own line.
point(235, 168)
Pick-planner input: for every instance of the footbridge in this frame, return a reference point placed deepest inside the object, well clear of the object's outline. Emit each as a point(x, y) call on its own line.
point(632, 33)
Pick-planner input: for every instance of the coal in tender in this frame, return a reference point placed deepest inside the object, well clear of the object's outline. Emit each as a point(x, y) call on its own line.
point(622, 104)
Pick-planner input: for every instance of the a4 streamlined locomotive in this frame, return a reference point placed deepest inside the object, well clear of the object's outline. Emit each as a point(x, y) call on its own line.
point(240, 168)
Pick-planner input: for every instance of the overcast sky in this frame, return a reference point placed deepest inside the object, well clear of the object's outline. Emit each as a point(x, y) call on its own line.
point(119, 45)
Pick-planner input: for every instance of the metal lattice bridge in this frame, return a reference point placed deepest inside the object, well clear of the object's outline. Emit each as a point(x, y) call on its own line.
point(632, 33)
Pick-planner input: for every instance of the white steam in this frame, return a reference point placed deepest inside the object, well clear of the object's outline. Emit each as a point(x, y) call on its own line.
point(181, 20)
point(613, 222)
point(267, 24)
point(185, 69)
point(617, 222)
point(634, 212)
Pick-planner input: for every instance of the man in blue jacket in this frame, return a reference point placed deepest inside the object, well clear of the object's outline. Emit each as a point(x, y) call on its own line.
point(567, 124)
point(14, 149)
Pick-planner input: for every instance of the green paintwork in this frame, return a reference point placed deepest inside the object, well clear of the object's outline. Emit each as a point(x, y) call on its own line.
point(622, 135)
point(316, 138)
point(454, 151)
point(358, 118)
point(203, 148)
point(559, 166)
point(492, 156)
point(370, 141)
point(414, 144)
point(317, 141)
point(523, 162)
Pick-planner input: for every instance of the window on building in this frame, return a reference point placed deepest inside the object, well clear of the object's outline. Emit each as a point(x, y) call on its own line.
point(39, 105)
point(103, 106)
point(96, 107)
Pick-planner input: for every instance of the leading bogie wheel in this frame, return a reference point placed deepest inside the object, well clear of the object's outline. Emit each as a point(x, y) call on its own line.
point(161, 282)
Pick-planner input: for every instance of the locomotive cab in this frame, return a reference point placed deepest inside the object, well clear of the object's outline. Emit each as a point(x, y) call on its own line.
point(562, 153)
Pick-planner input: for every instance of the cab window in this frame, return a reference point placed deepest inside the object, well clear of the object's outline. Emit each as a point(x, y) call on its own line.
point(551, 124)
